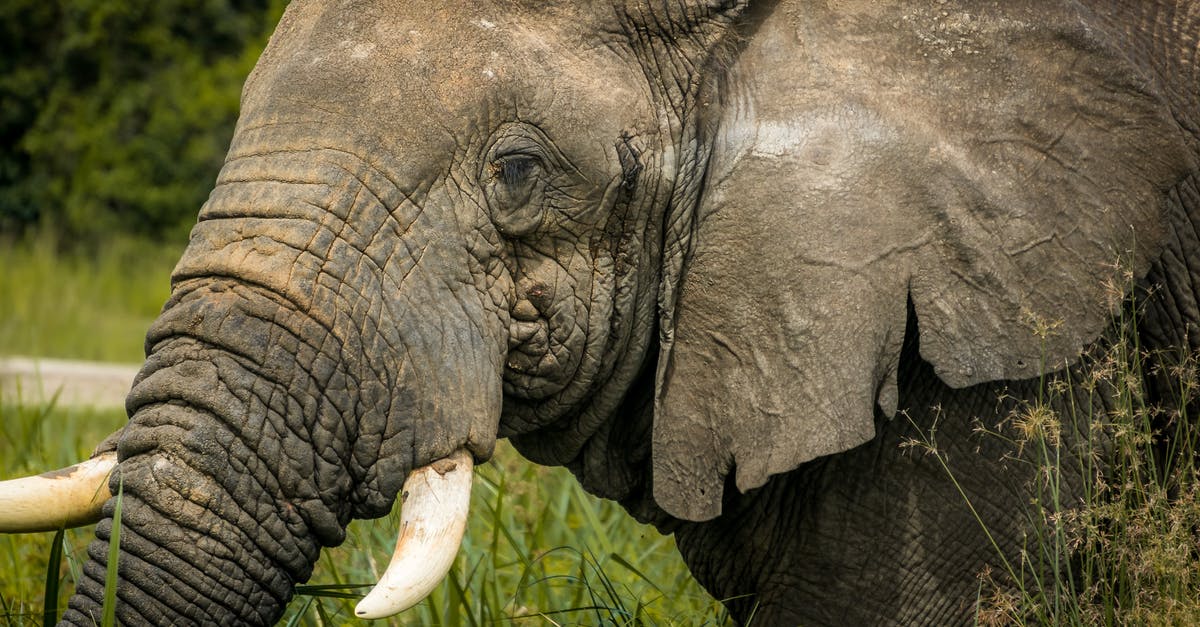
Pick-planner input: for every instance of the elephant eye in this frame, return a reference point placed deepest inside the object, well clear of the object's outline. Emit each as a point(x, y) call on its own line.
point(515, 192)
point(513, 179)
point(514, 170)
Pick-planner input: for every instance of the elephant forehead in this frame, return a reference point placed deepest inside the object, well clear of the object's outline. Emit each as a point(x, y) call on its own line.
point(435, 66)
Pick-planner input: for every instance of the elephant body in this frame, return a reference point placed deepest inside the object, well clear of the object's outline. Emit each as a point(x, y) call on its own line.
point(704, 254)
point(881, 534)
point(884, 533)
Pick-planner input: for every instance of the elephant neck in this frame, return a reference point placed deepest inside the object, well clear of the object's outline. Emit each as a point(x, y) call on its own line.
point(1171, 320)
point(1162, 39)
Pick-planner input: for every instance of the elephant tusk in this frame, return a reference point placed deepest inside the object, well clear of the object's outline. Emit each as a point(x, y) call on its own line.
point(68, 497)
point(432, 521)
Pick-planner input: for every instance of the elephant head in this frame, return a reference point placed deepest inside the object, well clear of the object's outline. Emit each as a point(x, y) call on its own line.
point(674, 246)
point(435, 226)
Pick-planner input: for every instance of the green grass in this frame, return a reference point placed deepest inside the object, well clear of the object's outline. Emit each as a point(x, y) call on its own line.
point(34, 439)
point(538, 550)
point(84, 305)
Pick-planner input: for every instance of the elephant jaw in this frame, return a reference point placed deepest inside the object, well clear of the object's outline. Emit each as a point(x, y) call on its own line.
point(432, 521)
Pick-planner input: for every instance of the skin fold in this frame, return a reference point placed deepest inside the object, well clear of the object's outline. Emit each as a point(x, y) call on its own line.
point(701, 253)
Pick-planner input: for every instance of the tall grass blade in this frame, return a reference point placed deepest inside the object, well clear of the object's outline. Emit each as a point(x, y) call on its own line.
point(633, 569)
point(614, 599)
point(50, 598)
point(459, 603)
point(333, 591)
point(323, 614)
point(114, 553)
point(295, 620)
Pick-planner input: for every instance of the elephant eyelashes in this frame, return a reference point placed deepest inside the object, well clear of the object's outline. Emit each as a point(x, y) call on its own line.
point(513, 180)
point(515, 169)
point(514, 193)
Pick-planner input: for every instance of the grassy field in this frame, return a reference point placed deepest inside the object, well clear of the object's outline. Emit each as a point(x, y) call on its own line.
point(95, 307)
point(538, 550)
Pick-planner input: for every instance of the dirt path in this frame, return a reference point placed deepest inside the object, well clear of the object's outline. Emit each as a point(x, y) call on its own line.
point(78, 383)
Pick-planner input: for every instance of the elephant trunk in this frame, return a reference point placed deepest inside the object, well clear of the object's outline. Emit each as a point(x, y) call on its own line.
point(294, 379)
point(226, 499)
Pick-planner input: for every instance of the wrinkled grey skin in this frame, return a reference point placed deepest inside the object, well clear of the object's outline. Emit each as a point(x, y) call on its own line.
point(698, 253)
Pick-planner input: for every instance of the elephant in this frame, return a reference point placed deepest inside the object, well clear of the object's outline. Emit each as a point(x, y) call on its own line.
point(720, 258)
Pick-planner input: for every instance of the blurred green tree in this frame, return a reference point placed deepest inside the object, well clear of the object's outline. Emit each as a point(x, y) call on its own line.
point(115, 114)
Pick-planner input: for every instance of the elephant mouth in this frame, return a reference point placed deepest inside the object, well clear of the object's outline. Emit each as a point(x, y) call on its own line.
point(528, 348)
point(538, 363)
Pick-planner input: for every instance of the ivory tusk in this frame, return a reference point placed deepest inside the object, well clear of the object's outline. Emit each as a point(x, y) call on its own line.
point(68, 497)
point(432, 521)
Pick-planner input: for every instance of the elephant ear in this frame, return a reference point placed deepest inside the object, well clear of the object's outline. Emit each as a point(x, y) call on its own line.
point(1005, 173)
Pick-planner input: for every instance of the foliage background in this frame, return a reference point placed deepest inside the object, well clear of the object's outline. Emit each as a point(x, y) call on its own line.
point(115, 115)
